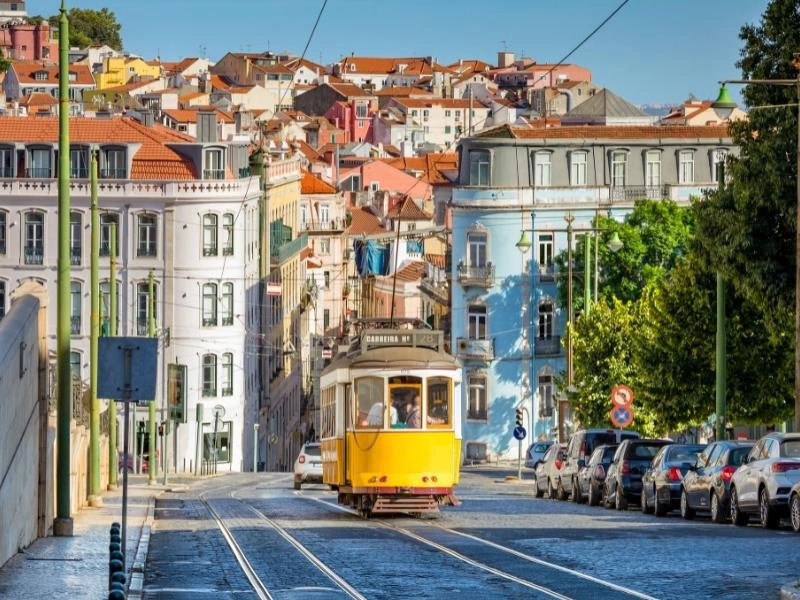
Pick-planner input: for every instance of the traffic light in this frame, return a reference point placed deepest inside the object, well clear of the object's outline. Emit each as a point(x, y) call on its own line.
point(160, 430)
point(141, 427)
point(519, 417)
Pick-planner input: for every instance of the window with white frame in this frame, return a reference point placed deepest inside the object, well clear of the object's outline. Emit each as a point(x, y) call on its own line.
point(545, 250)
point(78, 163)
point(209, 369)
point(147, 229)
point(479, 167)
point(545, 385)
point(227, 231)
point(717, 160)
point(6, 162)
point(477, 245)
point(545, 320)
point(75, 237)
point(105, 307)
point(619, 161)
point(39, 163)
point(476, 322)
point(227, 304)
point(75, 307)
point(324, 245)
point(143, 307)
point(577, 168)
point(108, 219)
point(652, 168)
point(3, 232)
point(113, 163)
point(210, 235)
point(541, 169)
point(214, 163)
point(75, 367)
point(686, 166)
point(477, 409)
point(361, 110)
point(209, 304)
point(324, 214)
point(227, 374)
point(34, 238)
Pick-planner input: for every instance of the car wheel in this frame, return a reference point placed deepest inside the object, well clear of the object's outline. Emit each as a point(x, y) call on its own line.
point(593, 498)
point(297, 485)
point(737, 516)
point(646, 508)
point(659, 509)
point(794, 512)
point(538, 492)
point(561, 493)
point(551, 493)
point(717, 515)
point(620, 501)
point(686, 510)
point(769, 519)
point(576, 492)
point(607, 503)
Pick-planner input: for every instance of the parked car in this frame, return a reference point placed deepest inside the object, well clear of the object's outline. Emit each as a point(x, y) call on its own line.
point(593, 475)
point(661, 484)
point(535, 453)
point(707, 485)
point(794, 507)
point(623, 482)
point(580, 448)
point(308, 466)
point(763, 483)
point(548, 469)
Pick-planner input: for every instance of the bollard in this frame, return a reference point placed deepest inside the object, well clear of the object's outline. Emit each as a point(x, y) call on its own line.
point(116, 595)
point(117, 555)
point(114, 547)
point(115, 526)
point(115, 539)
point(115, 566)
point(116, 585)
point(118, 577)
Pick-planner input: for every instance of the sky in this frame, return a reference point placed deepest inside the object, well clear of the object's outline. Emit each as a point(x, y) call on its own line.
point(650, 52)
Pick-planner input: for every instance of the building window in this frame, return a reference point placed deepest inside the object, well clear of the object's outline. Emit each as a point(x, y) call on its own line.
point(210, 235)
point(476, 320)
point(227, 228)
point(686, 166)
point(227, 374)
point(425, 114)
point(477, 243)
point(105, 308)
point(361, 111)
point(652, 176)
point(113, 163)
point(143, 307)
point(326, 319)
point(545, 395)
point(75, 237)
point(541, 177)
point(209, 375)
point(214, 164)
point(324, 246)
point(39, 75)
point(39, 165)
point(447, 113)
point(326, 278)
point(717, 160)
point(227, 304)
point(545, 250)
point(2, 299)
point(479, 167)
point(477, 408)
point(75, 307)
point(447, 129)
point(209, 304)
point(3, 231)
point(78, 163)
point(618, 162)
point(75, 367)
point(577, 175)
point(34, 238)
point(325, 214)
point(106, 220)
point(6, 162)
point(545, 320)
point(147, 229)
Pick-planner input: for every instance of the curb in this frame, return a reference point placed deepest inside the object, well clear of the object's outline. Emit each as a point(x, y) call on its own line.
point(136, 585)
point(790, 591)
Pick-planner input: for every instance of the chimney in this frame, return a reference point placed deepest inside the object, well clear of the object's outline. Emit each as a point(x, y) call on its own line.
point(206, 126)
point(406, 148)
point(325, 78)
point(505, 59)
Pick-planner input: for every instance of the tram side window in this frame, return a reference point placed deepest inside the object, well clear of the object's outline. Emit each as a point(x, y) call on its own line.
point(328, 412)
point(438, 402)
point(370, 409)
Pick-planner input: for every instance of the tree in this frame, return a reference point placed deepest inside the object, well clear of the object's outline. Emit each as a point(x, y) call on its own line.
point(92, 27)
point(4, 63)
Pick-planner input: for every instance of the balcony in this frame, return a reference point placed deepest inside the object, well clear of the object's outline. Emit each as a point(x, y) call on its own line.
point(548, 346)
point(547, 273)
point(112, 173)
point(75, 256)
point(6, 172)
point(79, 173)
point(75, 324)
point(244, 172)
point(631, 193)
point(468, 275)
point(227, 321)
point(227, 251)
point(141, 327)
point(480, 349)
point(34, 255)
point(330, 225)
point(146, 251)
point(210, 251)
point(38, 173)
point(213, 173)
point(210, 321)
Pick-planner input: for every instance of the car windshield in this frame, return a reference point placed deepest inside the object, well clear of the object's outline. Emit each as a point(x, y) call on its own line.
point(790, 448)
point(313, 450)
point(684, 454)
point(645, 451)
point(608, 453)
point(737, 456)
point(540, 447)
point(598, 439)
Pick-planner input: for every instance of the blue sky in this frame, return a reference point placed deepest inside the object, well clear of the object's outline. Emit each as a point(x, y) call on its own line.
point(649, 52)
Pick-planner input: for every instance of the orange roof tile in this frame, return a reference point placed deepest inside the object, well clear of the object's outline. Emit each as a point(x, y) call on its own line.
point(38, 99)
point(619, 132)
point(364, 222)
point(437, 260)
point(404, 91)
point(26, 71)
point(441, 102)
point(366, 64)
point(407, 210)
point(311, 184)
point(189, 115)
point(411, 271)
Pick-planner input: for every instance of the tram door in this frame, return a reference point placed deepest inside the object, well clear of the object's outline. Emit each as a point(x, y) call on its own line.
point(404, 392)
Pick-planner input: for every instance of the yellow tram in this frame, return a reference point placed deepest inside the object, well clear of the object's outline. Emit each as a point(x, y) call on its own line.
point(390, 422)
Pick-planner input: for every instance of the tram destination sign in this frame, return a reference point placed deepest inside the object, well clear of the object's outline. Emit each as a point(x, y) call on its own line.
point(411, 337)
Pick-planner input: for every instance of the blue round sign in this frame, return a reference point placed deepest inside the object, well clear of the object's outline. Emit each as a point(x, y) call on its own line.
point(519, 432)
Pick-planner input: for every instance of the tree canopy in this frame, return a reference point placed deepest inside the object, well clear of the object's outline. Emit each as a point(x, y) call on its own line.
point(89, 27)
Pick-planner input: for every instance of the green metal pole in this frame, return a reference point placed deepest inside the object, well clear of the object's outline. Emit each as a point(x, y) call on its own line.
point(587, 276)
point(62, 525)
point(722, 366)
point(152, 469)
point(112, 331)
point(94, 412)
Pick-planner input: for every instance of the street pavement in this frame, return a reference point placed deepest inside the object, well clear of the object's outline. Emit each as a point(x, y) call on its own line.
point(501, 542)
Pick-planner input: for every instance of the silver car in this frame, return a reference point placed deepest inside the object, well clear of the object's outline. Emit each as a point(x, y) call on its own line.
point(308, 466)
point(547, 471)
point(535, 453)
point(763, 484)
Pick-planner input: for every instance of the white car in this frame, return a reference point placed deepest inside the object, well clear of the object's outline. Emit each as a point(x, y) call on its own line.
point(763, 484)
point(308, 466)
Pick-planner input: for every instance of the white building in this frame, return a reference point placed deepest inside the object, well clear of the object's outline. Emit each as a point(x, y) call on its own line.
point(186, 212)
point(444, 120)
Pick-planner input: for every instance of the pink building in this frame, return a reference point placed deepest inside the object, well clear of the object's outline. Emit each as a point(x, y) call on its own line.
point(355, 117)
point(535, 75)
point(20, 41)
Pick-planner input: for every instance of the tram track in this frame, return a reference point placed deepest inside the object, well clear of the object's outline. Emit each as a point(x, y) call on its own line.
point(550, 592)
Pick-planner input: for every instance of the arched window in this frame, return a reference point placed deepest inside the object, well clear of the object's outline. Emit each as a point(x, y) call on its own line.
point(477, 402)
point(227, 228)
point(546, 320)
point(75, 307)
point(107, 219)
point(209, 304)
point(227, 374)
point(210, 235)
point(75, 237)
point(147, 230)
point(545, 388)
point(34, 238)
point(209, 375)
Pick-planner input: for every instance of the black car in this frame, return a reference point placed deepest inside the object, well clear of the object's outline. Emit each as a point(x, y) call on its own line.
point(623, 482)
point(580, 448)
point(592, 476)
point(707, 485)
point(661, 484)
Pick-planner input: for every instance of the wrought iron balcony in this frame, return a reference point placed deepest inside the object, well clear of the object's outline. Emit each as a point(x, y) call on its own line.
point(141, 327)
point(75, 324)
point(550, 346)
point(547, 273)
point(112, 173)
point(227, 251)
point(213, 173)
point(209, 391)
point(481, 349)
point(146, 251)
point(244, 172)
point(34, 255)
point(227, 391)
point(477, 415)
point(631, 193)
point(39, 173)
point(210, 321)
point(469, 275)
point(78, 173)
point(210, 251)
point(6, 172)
point(226, 321)
point(75, 255)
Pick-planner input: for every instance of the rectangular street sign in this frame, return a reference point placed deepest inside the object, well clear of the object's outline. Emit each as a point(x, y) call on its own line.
point(141, 371)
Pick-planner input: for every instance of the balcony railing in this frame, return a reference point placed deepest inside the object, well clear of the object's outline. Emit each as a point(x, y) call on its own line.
point(547, 273)
point(141, 327)
point(227, 251)
point(227, 391)
point(209, 391)
point(75, 324)
point(34, 255)
point(213, 173)
point(79, 173)
point(244, 172)
point(330, 225)
point(226, 321)
point(475, 276)
point(112, 173)
point(482, 349)
point(38, 173)
point(209, 321)
point(145, 251)
point(210, 251)
point(6, 172)
point(75, 255)
point(630, 193)
point(547, 346)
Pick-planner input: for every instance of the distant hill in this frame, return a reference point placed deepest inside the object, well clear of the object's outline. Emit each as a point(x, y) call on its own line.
point(657, 109)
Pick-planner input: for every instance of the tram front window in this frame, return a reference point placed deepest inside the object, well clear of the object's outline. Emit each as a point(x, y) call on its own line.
point(438, 402)
point(369, 403)
point(404, 391)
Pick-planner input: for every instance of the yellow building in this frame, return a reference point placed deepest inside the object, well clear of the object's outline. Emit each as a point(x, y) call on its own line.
point(120, 70)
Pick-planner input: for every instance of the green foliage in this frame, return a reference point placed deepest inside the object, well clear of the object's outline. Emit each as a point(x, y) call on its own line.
point(4, 63)
point(89, 27)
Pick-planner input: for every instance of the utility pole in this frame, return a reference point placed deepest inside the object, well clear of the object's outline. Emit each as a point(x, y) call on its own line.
point(797, 265)
point(721, 374)
point(152, 468)
point(94, 410)
point(112, 331)
point(569, 219)
point(587, 277)
point(62, 525)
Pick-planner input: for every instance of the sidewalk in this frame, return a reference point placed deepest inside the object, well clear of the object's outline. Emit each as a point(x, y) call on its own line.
point(77, 567)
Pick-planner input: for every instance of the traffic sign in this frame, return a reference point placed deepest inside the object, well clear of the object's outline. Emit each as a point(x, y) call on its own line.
point(621, 416)
point(520, 433)
point(622, 395)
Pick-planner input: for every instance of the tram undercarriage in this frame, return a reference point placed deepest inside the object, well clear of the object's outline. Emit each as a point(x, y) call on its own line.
point(369, 501)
